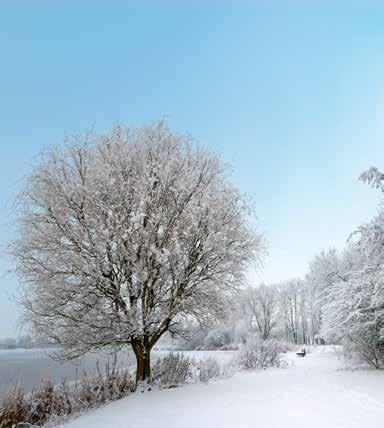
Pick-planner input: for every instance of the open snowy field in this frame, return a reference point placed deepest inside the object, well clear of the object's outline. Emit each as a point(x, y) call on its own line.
point(312, 392)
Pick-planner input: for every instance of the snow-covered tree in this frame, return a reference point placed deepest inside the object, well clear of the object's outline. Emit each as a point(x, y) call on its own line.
point(260, 306)
point(123, 236)
point(291, 310)
point(353, 311)
point(324, 270)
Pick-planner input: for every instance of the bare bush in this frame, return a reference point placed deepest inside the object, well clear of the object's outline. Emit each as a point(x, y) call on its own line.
point(172, 370)
point(13, 408)
point(176, 369)
point(260, 355)
point(366, 349)
point(209, 369)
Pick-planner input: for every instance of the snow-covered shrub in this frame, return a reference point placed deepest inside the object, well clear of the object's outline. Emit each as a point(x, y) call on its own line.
point(364, 348)
point(259, 355)
point(209, 369)
point(47, 402)
point(176, 369)
point(172, 370)
point(64, 400)
point(219, 338)
point(13, 408)
point(34, 408)
point(40, 402)
point(104, 387)
point(353, 315)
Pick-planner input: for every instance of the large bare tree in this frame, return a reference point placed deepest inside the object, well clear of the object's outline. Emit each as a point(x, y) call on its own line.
point(124, 235)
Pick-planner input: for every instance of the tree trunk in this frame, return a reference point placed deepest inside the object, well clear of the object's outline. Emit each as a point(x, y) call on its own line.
point(143, 362)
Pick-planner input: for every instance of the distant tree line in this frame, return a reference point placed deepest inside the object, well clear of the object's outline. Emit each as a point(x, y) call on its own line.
point(24, 342)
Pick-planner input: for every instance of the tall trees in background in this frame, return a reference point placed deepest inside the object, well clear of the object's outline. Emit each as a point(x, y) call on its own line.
point(293, 310)
point(124, 236)
point(282, 310)
point(261, 307)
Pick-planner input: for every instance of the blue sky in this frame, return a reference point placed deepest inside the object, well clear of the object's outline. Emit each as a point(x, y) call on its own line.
point(292, 93)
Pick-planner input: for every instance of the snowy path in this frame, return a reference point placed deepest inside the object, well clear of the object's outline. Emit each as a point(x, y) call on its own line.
point(311, 393)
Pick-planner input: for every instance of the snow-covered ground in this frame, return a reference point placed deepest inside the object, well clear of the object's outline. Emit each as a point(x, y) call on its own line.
point(313, 392)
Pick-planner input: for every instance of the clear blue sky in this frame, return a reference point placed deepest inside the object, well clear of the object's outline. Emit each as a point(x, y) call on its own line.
point(292, 93)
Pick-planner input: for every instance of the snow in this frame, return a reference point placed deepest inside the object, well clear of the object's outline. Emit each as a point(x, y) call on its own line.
point(311, 392)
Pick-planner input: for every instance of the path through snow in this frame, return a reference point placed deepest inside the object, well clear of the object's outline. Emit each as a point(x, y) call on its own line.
point(312, 393)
